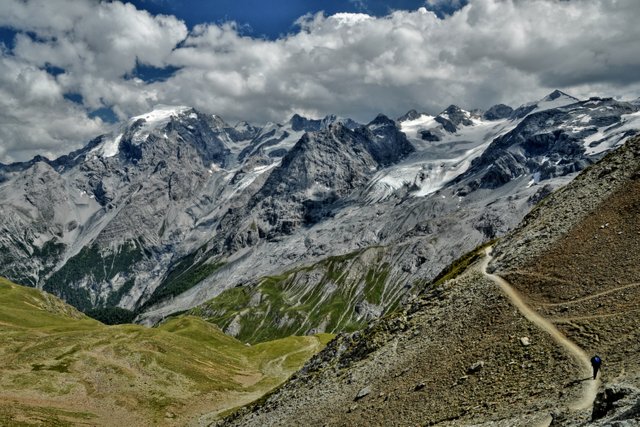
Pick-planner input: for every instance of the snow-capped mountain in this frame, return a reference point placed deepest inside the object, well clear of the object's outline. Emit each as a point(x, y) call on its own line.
point(177, 206)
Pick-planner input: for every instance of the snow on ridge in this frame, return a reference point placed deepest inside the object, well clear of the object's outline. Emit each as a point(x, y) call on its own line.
point(556, 103)
point(412, 127)
point(160, 114)
point(251, 176)
point(548, 104)
point(156, 118)
point(435, 164)
point(612, 136)
point(111, 147)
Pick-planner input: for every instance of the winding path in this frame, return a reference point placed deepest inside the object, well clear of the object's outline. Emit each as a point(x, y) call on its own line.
point(590, 388)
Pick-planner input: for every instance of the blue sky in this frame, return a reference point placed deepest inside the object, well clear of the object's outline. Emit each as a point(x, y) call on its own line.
point(274, 18)
point(70, 70)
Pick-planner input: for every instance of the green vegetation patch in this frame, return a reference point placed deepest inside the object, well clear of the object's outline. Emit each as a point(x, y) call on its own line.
point(115, 297)
point(325, 296)
point(182, 278)
point(50, 350)
point(112, 315)
point(459, 266)
point(19, 415)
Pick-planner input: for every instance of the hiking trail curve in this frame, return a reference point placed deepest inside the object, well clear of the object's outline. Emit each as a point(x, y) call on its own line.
point(590, 388)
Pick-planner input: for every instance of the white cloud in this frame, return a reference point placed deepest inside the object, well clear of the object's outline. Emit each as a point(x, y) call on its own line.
point(34, 116)
point(454, 4)
point(350, 64)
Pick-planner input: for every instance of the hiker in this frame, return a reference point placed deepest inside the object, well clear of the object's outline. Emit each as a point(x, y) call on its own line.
point(596, 362)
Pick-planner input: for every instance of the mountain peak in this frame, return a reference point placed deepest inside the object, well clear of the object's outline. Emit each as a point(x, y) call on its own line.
point(161, 113)
point(452, 109)
point(452, 117)
point(410, 115)
point(497, 112)
point(381, 119)
point(300, 123)
point(557, 94)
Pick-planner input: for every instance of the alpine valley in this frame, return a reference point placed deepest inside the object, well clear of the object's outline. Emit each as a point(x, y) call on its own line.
point(328, 272)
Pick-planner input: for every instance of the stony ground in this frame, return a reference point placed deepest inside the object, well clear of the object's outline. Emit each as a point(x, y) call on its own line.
point(461, 354)
point(588, 284)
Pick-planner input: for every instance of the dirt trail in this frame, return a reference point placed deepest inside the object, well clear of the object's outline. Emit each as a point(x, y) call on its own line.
point(593, 296)
point(275, 367)
point(595, 316)
point(590, 387)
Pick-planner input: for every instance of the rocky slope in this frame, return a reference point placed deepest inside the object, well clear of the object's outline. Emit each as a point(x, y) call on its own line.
point(177, 208)
point(461, 354)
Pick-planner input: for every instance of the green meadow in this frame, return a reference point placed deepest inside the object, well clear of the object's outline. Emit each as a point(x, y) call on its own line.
point(59, 367)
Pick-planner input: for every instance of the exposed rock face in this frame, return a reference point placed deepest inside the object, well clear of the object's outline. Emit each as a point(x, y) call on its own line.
point(299, 123)
point(497, 112)
point(453, 117)
point(320, 170)
point(547, 144)
point(410, 115)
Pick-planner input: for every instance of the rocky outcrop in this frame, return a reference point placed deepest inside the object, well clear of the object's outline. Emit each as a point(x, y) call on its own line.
point(427, 363)
point(546, 144)
point(497, 112)
point(453, 117)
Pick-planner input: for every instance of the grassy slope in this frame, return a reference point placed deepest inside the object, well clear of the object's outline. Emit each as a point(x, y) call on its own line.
point(59, 367)
point(323, 294)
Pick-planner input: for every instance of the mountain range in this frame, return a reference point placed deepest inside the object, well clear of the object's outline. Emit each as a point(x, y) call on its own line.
point(296, 228)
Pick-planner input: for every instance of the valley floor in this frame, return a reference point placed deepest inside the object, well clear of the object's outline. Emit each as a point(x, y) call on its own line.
point(58, 367)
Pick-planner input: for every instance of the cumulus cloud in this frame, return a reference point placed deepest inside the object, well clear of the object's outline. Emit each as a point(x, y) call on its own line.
point(355, 65)
point(34, 116)
point(96, 44)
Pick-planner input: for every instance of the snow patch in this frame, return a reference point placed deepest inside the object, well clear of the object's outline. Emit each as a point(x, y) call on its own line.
point(160, 116)
point(251, 176)
point(411, 128)
point(108, 148)
point(435, 163)
point(613, 136)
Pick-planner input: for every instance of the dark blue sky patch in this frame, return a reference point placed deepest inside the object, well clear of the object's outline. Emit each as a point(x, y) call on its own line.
point(105, 113)
point(53, 70)
point(150, 74)
point(446, 9)
point(271, 19)
point(74, 97)
point(8, 37)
